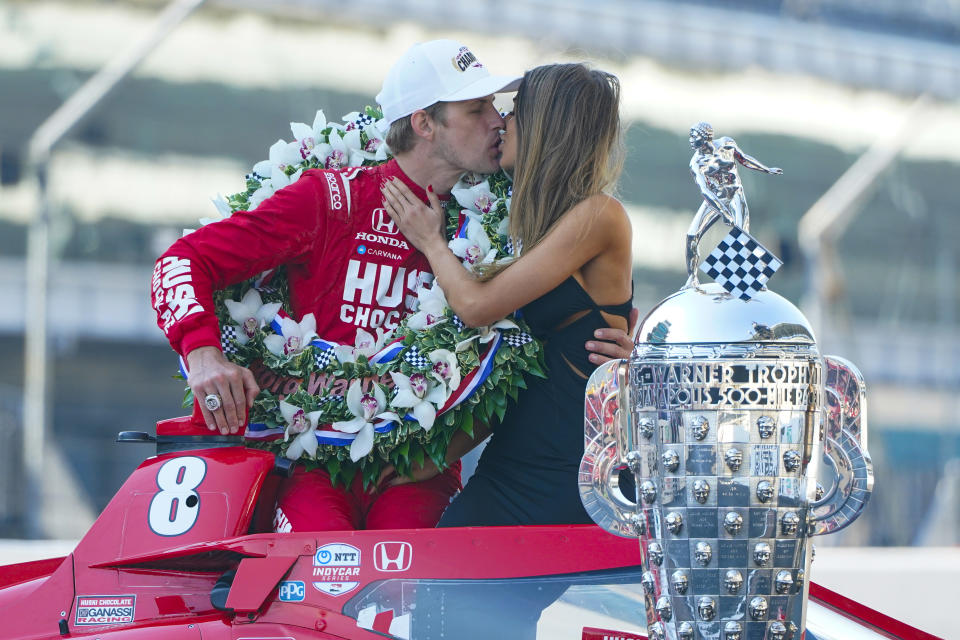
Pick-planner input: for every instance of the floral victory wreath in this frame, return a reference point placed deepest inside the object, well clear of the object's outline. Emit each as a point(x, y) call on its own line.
point(394, 398)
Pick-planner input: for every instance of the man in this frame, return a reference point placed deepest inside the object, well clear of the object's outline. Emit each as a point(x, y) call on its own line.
point(438, 99)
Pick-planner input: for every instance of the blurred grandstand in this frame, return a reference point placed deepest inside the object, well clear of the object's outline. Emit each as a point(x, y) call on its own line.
point(809, 86)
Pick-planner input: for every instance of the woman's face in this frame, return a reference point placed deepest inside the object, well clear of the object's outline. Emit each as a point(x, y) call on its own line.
point(508, 143)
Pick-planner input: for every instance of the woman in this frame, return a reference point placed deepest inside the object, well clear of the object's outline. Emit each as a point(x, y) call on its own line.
point(562, 144)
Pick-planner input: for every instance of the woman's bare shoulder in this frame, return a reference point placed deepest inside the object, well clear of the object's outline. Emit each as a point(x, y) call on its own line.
point(607, 213)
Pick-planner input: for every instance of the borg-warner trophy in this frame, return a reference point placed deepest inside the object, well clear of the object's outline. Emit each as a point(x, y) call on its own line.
point(745, 442)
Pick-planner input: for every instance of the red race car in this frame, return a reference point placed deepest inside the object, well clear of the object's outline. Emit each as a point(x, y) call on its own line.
point(184, 551)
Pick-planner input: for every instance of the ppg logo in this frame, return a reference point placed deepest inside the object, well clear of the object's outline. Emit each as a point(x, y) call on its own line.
point(292, 591)
point(392, 556)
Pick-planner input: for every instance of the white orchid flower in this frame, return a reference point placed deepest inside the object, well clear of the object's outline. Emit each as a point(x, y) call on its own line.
point(282, 154)
point(334, 153)
point(365, 344)
point(420, 395)
point(476, 197)
point(308, 137)
point(365, 408)
point(354, 143)
point(250, 314)
point(262, 193)
point(446, 369)
point(296, 336)
point(488, 333)
point(302, 425)
point(430, 308)
point(375, 148)
point(223, 210)
point(476, 248)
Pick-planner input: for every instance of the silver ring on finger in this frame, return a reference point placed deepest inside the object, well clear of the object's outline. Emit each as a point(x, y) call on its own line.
point(212, 402)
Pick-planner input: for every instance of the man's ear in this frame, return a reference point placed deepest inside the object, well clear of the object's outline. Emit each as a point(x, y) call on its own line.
point(422, 124)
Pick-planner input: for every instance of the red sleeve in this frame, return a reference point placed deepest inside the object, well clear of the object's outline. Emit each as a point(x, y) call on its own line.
point(281, 230)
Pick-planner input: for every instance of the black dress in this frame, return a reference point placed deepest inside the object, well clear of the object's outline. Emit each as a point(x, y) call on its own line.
point(528, 472)
point(527, 475)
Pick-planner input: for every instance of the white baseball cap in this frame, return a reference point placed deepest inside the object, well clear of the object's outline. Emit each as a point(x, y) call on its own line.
point(437, 71)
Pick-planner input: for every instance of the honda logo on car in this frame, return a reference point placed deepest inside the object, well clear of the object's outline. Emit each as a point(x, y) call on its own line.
point(292, 591)
point(392, 556)
point(99, 610)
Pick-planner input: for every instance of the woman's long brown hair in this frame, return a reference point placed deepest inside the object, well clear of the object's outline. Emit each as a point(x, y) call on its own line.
point(569, 145)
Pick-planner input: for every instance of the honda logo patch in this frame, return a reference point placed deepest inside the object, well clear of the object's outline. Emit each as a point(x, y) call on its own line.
point(382, 223)
point(392, 556)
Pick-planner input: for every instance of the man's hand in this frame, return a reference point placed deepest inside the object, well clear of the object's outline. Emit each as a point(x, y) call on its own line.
point(209, 372)
point(390, 478)
point(613, 343)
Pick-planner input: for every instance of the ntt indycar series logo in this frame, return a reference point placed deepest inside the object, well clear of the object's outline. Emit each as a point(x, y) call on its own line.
point(336, 567)
point(100, 610)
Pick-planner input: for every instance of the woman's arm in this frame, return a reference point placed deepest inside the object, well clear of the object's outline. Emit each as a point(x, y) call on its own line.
point(582, 233)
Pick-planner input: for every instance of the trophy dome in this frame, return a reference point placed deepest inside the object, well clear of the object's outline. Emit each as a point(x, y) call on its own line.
point(708, 314)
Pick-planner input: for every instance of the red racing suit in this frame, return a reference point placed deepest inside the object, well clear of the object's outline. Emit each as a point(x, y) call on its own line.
point(348, 264)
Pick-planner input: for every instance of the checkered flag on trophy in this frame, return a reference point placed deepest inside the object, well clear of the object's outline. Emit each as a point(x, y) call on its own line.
point(740, 264)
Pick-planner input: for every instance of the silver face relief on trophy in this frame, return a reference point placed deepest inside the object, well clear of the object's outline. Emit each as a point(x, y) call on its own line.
point(664, 608)
point(733, 458)
point(655, 631)
point(699, 427)
point(685, 631)
point(680, 582)
point(633, 460)
point(647, 582)
point(791, 460)
point(655, 551)
point(765, 426)
point(761, 554)
point(789, 523)
point(703, 553)
point(783, 582)
point(638, 523)
point(648, 492)
point(733, 522)
point(764, 491)
point(818, 492)
point(707, 608)
point(701, 491)
point(758, 608)
point(732, 581)
point(777, 631)
point(674, 522)
point(671, 460)
point(646, 426)
point(732, 631)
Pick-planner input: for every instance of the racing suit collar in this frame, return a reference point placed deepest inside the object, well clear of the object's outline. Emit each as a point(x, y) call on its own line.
point(392, 170)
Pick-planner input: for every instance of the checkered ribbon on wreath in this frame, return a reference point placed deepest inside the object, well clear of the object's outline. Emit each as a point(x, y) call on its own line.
point(458, 323)
point(517, 338)
point(740, 264)
point(228, 339)
point(323, 358)
point(364, 120)
point(415, 358)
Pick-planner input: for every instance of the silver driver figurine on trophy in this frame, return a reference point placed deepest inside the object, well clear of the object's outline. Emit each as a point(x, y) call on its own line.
point(744, 440)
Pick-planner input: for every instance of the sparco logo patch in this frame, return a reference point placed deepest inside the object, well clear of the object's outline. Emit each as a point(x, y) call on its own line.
point(382, 223)
point(392, 556)
point(336, 197)
point(101, 610)
point(465, 59)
